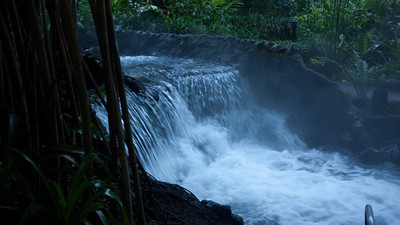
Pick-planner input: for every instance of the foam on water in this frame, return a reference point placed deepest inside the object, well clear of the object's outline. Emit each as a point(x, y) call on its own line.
point(193, 127)
point(294, 187)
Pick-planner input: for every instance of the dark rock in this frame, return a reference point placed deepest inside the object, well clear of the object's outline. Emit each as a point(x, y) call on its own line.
point(375, 139)
point(87, 38)
point(96, 71)
point(360, 103)
point(134, 84)
point(379, 101)
point(179, 206)
point(382, 129)
point(223, 211)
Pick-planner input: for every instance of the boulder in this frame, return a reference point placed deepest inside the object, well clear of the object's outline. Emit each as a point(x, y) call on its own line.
point(179, 206)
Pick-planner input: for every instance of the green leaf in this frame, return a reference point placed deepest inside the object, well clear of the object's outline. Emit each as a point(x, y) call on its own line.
point(24, 184)
point(92, 199)
point(14, 121)
point(84, 212)
point(112, 195)
point(70, 149)
point(74, 195)
point(43, 177)
point(111, 218)
point(29, 212)
point(82, 169)
point(7, 207)
point(102, 217)
point(62, 203)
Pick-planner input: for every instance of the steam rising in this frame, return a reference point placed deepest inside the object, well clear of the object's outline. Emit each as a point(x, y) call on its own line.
point(197, 126)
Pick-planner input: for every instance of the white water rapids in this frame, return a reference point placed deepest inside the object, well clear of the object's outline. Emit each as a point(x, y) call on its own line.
point(196, 125)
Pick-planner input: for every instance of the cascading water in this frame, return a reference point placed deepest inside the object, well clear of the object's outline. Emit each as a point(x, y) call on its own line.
point(196, 125)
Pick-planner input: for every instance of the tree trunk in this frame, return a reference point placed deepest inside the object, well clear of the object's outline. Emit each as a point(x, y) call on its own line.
point(114, 115)
point(78, 77)
point(125, 112)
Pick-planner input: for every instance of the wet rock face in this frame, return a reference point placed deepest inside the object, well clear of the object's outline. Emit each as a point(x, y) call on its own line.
point(379, 101)
point(182, 207)
point(375, 140)
point(96, 71)
point(134, 84)
point(382, 129)
point(222, 211)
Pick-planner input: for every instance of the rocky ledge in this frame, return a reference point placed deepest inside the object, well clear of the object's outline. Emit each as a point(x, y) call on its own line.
point(171, 204)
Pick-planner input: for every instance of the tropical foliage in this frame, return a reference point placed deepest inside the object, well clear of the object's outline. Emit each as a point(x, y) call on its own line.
point(335, 35)
point(54, 169)
point(350, 33)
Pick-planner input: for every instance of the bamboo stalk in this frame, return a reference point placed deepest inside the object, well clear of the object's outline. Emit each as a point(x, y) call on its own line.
point(12, 64)
point(78, 78)
point(97, 123)
point(112, 100)
point(8, 90)
point(32, 25)
point(2, 81)
point(32, 81)
point(56, 108)
point(18, 36)
point(109, 83)
point(30, 9)
point(60, 44)
point(125, 113)
point(18, 33)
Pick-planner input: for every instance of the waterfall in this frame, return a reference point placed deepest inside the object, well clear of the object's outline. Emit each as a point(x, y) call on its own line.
point(195, 124)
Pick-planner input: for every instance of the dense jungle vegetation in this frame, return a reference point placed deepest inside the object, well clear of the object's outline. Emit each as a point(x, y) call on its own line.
point(57, 166)
point(353, 40)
